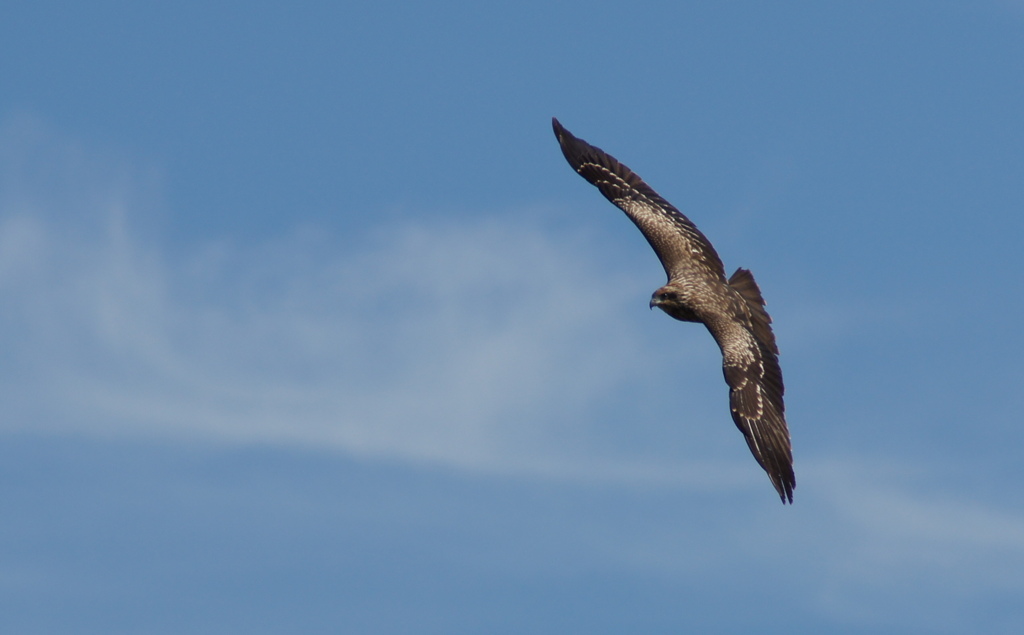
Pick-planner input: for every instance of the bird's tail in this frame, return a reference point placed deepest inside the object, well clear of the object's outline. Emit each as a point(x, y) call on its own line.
point(743, 281)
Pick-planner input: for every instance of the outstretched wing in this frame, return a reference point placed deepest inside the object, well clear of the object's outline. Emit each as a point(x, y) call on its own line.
point(751, 365)
point(683, 250)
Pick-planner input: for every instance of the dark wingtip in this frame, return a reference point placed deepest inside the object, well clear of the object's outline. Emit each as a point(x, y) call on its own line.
point(560, 132)
point(559, 129)
point(785, 486)
point(573, 148)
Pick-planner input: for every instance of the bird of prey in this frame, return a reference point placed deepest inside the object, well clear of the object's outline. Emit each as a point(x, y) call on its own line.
point(697, 291)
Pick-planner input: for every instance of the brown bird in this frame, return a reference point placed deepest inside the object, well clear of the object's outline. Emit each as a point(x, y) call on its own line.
point(698, 291)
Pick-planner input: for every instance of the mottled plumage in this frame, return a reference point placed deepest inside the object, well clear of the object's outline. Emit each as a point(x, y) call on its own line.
point(698, 291)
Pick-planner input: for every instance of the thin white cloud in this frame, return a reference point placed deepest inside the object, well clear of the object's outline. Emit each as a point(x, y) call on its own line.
point(464, 344)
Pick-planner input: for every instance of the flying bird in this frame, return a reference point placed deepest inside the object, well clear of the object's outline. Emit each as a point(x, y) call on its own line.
point(697, 291)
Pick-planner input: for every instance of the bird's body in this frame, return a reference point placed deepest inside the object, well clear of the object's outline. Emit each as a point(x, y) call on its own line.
point(697, 291)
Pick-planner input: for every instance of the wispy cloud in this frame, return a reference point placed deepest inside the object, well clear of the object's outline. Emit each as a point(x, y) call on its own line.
point(461, 343)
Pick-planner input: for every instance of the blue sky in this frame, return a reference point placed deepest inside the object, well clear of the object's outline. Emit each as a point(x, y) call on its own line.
point(307, 326)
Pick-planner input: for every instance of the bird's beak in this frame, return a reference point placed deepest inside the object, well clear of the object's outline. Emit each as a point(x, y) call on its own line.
point(653, 304)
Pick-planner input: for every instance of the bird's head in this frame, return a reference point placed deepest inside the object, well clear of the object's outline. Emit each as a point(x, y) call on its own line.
point(670, 300)
point(664, 298)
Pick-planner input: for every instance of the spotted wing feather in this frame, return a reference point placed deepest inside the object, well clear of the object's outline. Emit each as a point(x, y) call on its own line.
point(682, 249)
point(750, 363)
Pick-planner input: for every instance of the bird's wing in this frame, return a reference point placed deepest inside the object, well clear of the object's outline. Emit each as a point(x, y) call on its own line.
point(751, 367)
point(681, 247)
